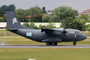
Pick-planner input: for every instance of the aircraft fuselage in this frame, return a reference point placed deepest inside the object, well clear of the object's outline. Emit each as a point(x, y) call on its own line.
point(37, 35)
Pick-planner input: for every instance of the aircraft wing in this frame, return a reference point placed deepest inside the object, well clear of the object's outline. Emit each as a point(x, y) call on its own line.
point(53, 31)
point(46, 30)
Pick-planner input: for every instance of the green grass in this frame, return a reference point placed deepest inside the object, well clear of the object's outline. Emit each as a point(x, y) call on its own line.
point(44, 54)
point(18, 40)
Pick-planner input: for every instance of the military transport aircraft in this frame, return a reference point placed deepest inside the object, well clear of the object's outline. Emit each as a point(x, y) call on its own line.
point(49, 36)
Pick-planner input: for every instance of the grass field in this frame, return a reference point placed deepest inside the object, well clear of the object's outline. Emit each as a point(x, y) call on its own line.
point(44, 54)
point(18, 40)
point(41, 53)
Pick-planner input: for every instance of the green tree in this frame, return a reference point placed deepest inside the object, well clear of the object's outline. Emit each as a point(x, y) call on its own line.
point(77, 23)
point(61, 13)
point(37, 18)
point(33, 11)
point(35, 14)
point(44, 10)
point(11, 7)
point(20, 15)
point(40, 26)
point(51, 25)
point(25, 24)
point(4, 18)
point(1, 19)
point(0, 8)
point(85, 17)
point(4, 8)
point(67, 23)
point(45, 19)
point(88, 27)
point(32, 25)
point(1, 13)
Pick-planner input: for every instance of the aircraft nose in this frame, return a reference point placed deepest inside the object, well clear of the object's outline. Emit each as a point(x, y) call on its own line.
point(84, 36)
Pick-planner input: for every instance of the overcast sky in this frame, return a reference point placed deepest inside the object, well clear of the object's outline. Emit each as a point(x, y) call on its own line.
point(79, 5)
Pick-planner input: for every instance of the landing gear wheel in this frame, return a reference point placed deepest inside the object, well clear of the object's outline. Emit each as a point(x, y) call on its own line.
point(48, 44)
point(55, 44)
point(74, 43)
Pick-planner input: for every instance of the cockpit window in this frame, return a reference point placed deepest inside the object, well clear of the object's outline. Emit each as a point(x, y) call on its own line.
point(77, 32)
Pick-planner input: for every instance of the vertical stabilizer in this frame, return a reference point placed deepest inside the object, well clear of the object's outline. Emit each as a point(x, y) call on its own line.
point(12, 21)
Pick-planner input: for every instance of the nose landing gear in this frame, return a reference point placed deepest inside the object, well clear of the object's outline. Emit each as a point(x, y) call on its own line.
point(74, 43)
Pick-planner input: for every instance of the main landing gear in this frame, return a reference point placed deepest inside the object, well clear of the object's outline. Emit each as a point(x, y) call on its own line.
point(74, 43)
point(55, 44)
point(50, 43)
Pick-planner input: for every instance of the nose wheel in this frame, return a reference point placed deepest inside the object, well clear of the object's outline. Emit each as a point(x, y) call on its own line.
point(53, 44)
point(74, 43)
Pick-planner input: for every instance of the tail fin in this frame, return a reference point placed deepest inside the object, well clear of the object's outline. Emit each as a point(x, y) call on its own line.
point(12, 21)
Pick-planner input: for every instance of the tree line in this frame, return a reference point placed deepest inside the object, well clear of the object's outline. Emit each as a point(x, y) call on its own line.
point(75, 25)
point(37, 14)
point(3, 10)
point(32, 25)
point(67, 16)
point(7, 7)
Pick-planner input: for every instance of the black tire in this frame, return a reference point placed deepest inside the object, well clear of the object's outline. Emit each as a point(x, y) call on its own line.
point(48, 44)
point(54, 44)
point(74, 43)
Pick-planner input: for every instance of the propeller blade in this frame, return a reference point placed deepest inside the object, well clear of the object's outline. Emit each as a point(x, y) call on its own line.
point(64, 32)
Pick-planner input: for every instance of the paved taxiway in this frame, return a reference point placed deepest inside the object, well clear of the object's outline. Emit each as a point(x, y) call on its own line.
point(44, 46)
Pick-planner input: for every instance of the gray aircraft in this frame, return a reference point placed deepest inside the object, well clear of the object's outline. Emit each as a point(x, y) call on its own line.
point(49, 36)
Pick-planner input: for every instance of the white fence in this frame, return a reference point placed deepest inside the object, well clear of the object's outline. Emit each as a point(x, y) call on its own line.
point(4, 24)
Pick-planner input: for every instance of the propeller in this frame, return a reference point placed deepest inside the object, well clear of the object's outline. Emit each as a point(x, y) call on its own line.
point(64, 31)
point(56, 30)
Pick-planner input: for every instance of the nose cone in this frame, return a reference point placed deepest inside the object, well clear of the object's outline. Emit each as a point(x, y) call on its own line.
point(84, 36)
